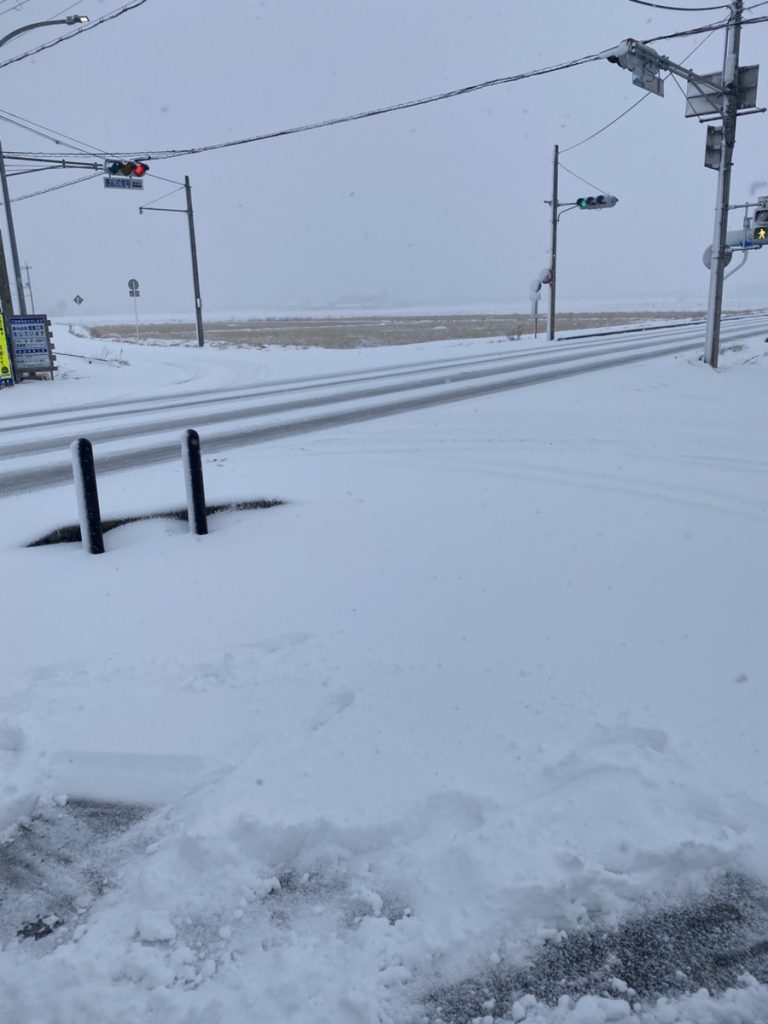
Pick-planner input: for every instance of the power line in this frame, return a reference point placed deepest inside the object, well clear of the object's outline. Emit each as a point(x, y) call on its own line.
point(41, 130)
point(591, 184)
point(450, 94)
point(698, 31)
point(54, 188)
point(665, 7)
point(18, 4)
point(607, 126)
point(168, 154)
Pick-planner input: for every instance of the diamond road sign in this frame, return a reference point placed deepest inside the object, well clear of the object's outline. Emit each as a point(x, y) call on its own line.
point(119, 182)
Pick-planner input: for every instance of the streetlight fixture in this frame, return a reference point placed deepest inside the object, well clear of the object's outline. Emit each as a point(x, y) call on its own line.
point(5, 289)
point(71, 19)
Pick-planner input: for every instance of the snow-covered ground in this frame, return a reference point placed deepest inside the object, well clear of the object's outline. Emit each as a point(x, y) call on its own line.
point(492, 678)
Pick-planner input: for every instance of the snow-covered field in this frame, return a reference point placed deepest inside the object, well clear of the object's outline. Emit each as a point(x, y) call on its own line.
point(472, 725)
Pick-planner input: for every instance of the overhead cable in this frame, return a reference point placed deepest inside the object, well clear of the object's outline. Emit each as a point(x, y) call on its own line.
point(666, 7)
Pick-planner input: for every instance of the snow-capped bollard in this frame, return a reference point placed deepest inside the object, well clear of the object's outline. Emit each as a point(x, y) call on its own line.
point(84, 473)
point(193, 478)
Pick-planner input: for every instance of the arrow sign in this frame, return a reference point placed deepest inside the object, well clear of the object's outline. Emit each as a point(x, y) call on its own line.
point(133, 288)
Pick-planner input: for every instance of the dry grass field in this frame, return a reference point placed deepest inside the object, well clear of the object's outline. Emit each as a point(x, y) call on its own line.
point(362, 331)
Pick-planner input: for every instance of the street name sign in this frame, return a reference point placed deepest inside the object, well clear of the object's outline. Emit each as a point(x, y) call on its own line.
point(112, 181)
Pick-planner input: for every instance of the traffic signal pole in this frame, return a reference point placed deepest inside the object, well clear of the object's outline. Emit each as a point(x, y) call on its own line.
point(553, 248)
point(719, 243)
point(193, 249)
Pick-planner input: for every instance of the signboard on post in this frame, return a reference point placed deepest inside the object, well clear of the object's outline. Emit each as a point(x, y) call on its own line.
point(32, 348)
point(6, 367)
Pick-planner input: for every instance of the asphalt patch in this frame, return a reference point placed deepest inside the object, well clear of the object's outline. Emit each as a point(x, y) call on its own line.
point(56, 864)
point(707, 942)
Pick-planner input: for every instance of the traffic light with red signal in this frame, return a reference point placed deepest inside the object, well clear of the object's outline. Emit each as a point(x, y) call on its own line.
point(126, 168)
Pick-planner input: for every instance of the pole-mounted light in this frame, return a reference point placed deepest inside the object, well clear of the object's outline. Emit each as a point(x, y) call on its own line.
point(71, 19)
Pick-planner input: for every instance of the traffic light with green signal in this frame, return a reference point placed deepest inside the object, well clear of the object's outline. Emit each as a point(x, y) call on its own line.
point(596, 202)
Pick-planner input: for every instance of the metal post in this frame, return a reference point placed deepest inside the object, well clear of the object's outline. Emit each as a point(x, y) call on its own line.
point(193, 478)
point(195, 273)
point(12, 236)
point(87, 496)
point(6, 298)
point(553, 249)
point(29, 288)
point(730, 117)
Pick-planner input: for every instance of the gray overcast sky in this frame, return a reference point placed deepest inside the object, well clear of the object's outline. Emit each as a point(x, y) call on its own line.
point(441, 206)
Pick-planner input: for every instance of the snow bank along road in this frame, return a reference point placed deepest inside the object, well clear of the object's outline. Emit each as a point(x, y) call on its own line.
point(34, 446)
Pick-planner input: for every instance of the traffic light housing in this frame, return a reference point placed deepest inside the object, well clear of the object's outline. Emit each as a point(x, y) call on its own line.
point(760, 225)
point(596, 202)
point(644, 63)
point(126, 168)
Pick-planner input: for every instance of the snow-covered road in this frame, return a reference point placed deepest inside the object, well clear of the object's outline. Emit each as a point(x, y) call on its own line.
point(34, 446)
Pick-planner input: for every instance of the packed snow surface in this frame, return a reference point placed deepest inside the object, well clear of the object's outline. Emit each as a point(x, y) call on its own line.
point(470, 728)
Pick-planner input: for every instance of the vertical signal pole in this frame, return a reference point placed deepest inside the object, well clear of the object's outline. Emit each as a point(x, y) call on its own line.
point(730, 116)
point(195, 273)
point(553, 249)
point(193, 248)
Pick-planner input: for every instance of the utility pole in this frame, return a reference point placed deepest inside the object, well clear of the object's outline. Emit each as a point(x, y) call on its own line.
point(6, 299)
point(724, 99)
point(195, 272)
point(553, 248)
point(730, 116)
point(29, 287)
point(12, 235)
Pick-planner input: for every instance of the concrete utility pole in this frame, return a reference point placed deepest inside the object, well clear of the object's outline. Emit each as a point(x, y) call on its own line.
point(719, 246)
point(12, 236)
point(195, 271)
point(27, 268)
point(553, 247)
point(6, 299)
